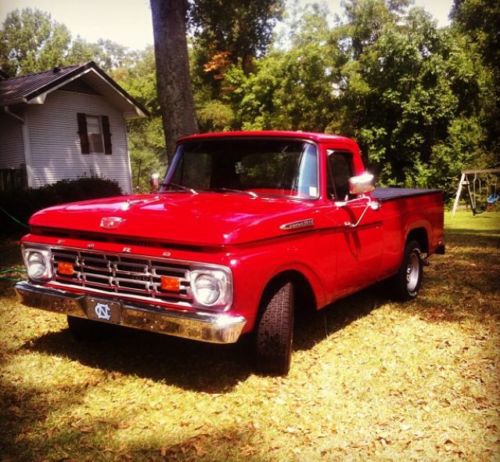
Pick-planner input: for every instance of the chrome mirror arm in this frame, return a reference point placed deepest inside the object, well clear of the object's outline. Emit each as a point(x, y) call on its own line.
point(371, 204)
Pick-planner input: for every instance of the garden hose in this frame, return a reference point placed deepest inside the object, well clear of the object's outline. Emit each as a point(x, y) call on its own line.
point(10, 272)
point(14, 219)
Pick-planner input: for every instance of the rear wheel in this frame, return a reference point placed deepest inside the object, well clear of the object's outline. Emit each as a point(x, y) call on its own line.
point(409, 278)
point(274, 334)
point(85, 329)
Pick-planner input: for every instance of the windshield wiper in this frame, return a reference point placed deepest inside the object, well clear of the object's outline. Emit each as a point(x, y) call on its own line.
point(239, 191)
point(179, 187)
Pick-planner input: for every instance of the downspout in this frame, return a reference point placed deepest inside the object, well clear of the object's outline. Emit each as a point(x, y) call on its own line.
point(129, 161)
point(12, 114)
point(26, 144)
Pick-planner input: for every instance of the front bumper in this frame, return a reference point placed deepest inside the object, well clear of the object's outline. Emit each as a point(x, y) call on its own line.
point(206, 327)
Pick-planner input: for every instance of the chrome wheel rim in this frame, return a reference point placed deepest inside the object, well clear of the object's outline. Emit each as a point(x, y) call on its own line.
point(412, 272)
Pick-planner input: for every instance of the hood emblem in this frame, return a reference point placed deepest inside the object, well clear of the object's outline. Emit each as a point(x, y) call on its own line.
point(309, 222)
point(111, 222)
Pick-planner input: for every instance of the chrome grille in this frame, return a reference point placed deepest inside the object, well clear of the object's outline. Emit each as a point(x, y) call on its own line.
point(119, 274)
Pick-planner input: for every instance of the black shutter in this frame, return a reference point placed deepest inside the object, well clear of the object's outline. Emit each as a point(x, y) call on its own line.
point(107, 135)
point(82, 132)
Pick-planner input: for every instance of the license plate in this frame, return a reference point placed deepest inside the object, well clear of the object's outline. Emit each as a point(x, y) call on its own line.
point(104, 310)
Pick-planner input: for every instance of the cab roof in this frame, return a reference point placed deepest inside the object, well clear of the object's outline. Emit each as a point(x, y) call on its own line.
point(317, 137)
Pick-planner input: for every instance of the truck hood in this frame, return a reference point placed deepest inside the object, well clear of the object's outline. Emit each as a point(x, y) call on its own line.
point(204, 219)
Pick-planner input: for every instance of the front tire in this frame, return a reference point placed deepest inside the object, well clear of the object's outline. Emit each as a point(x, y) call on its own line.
point(274, 335)
point(408, 281)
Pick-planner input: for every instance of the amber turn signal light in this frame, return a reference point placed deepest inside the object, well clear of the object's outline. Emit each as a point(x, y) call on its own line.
point(65, 268)
point(170, 284)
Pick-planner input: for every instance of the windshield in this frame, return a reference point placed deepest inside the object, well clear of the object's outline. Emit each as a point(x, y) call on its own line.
point(258, 166)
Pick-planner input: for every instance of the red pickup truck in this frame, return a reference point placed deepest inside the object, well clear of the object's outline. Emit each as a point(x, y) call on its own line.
point(246, 228)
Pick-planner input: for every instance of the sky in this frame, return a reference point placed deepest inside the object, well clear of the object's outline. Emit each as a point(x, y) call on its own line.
point(128, 22)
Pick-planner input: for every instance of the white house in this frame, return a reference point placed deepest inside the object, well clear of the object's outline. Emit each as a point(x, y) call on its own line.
point(64, 123)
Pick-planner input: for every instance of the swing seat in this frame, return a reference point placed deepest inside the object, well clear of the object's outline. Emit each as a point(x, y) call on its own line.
point(492, 198)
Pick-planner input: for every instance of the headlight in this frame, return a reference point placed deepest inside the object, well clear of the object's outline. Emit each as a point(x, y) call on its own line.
point(211, 287)
point(38, 264)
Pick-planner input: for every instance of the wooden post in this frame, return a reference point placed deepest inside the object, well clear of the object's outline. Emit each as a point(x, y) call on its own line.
point(459, 192)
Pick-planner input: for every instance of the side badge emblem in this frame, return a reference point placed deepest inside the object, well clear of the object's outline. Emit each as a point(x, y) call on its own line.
point(111, 222)
point(308, 223)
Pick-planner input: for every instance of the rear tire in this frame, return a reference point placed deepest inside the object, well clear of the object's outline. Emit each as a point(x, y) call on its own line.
point(274, 334)
point(88, 330)
point(408, 280)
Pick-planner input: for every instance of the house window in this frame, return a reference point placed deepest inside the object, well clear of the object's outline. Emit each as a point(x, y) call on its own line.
point(94, 133)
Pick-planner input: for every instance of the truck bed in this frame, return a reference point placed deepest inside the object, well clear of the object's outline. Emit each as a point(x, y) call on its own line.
point(388, 194)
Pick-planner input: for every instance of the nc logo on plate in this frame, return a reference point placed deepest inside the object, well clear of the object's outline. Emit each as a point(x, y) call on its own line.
point(103, 311)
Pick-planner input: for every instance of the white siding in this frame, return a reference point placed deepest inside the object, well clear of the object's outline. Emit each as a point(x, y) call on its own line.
point(11, 142)
point(55, 144)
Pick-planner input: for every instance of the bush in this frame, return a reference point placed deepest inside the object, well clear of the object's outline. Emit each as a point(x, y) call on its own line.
point(21, 204)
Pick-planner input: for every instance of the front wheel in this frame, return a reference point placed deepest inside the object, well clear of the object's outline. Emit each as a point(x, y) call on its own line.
point(408, 280)
point(274, 335)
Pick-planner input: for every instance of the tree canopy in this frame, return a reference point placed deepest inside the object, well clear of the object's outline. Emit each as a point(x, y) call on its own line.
point(422, 101)
point(31, 41)
point(413, 95)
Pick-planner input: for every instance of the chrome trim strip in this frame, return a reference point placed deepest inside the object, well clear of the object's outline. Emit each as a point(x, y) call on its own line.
point(194, 325)
point(106, 293)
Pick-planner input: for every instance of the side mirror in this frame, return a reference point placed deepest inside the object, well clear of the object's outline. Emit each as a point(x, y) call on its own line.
point(154, 182)
point(361, 184)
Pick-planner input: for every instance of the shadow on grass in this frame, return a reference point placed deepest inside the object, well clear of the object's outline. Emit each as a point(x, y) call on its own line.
point(216, 445)
point(463, 284)
point(312, 328)
point(24, 408)
point(25, 436)
point(473, 238)
point(188, 364)
point(193, 365)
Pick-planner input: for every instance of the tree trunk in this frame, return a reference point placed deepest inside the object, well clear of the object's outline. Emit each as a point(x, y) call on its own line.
point(172, 70)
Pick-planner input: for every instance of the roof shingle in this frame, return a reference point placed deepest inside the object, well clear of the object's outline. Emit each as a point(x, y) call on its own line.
point(19, 90)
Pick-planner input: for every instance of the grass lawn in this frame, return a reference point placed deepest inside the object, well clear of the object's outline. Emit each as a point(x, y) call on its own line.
point(371, 379)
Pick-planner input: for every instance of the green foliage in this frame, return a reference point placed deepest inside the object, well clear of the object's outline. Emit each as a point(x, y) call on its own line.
point(413, 95)
point(225, 34)
point(215, 116)
point(23, 203)
point(31, 41)
point(145, 136)
point(421, 101)
point(478, 20)
point(240, 28)
point(423, 83)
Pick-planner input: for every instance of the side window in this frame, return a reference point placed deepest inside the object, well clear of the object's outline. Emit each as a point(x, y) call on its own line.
point(94, 133)
point(339, 171)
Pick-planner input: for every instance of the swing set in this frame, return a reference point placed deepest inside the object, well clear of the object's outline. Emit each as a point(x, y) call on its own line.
point(478, 189)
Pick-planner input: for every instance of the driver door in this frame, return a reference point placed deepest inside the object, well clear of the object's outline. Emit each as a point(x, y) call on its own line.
point(358, 249)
